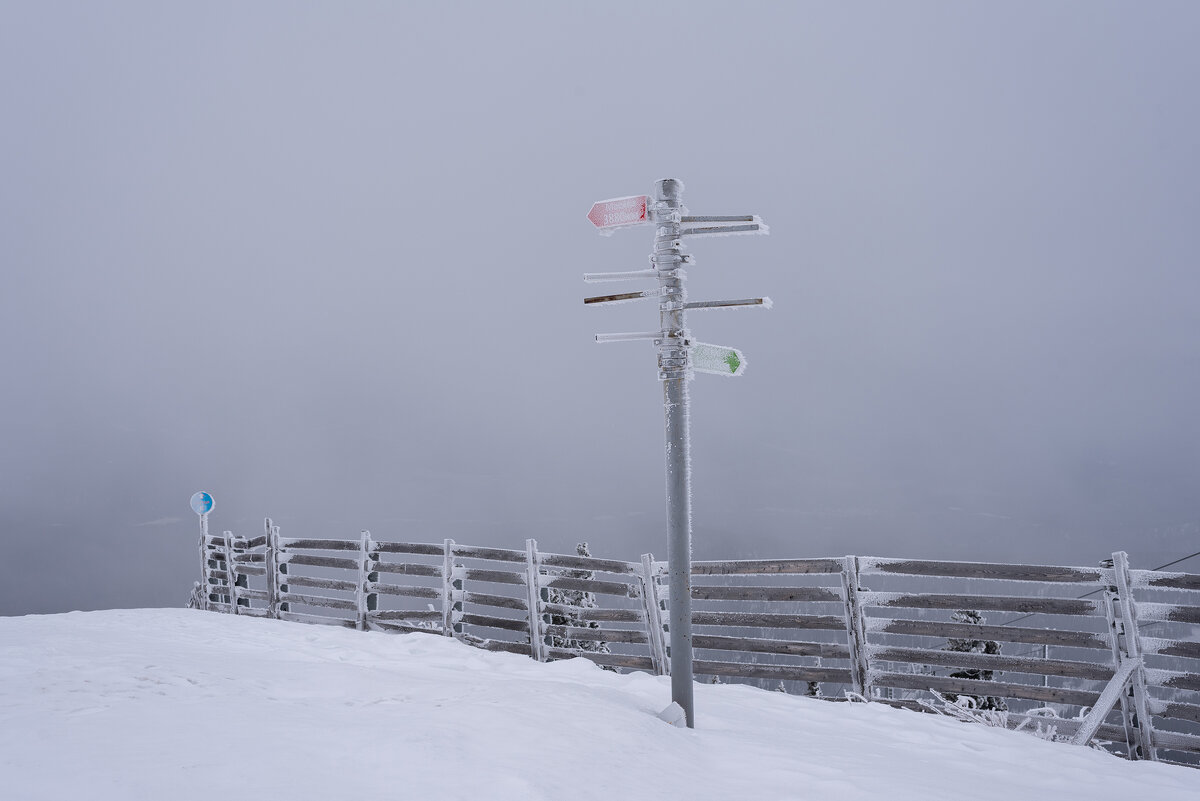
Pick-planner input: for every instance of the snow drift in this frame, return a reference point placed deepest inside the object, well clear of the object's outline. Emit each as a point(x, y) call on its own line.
point(178, 704)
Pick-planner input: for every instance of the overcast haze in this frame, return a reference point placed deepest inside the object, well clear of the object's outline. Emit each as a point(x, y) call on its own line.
point(324, 261)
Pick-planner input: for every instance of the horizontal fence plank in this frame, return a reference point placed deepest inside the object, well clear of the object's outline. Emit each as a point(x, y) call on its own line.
point(319, 545)
point(947, 684)
point(980, 570)
point(1166, 581)
point(249, 570)
point(798, 594)
point(607, 660)
point(418, 548)
point(1176, 741)
point(489, 621)
point(406, 614)
point(521, 648)
point(597, 635)
point(1184, 648)
point(746, 670)
point(993, 603)
point(214, 541)
point(757, 645)
point(751, 567)
point(402, 626)
point(408, 569)
point(486, 599)
point(968, 631)
point(597, 615)
point(318, 600)
point(257, 542)
point(495, 554)
point(1176, 710)
point(770, 620)
point(300, 617)
point(590, 563)
point(590, 585)
point(254, 595)
point(249, 558)
point(318, 561)
point(993, 662)
point(1168, 613)
point(406, 591)
point(319, 583)
point(1154, 677)
point(253, 611)
point(494, 576)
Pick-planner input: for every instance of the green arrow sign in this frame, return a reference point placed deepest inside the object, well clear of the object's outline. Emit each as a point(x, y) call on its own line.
point(717, 359)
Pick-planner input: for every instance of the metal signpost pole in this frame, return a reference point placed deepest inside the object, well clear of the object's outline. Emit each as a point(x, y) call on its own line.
point(672, 367)
point(678, 358)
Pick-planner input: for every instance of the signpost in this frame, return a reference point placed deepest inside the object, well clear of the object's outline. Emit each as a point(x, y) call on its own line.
point(202, 504)
point(678, 357)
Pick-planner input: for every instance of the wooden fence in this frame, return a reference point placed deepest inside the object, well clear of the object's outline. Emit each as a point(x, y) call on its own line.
point(1108, 652)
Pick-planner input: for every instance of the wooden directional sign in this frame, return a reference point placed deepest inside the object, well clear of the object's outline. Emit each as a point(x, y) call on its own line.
point(619, 212)
point(717, 359)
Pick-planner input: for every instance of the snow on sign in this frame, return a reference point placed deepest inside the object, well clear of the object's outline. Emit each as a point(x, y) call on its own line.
point(619, 212)
point(202, 503)
point(717, 359)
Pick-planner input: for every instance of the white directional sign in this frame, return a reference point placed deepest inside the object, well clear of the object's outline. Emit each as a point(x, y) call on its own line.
point(619, 212)
point(717, 359)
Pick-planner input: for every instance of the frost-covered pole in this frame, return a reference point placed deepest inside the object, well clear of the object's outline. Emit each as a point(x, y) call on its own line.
point(672, 371)
point(678, 358)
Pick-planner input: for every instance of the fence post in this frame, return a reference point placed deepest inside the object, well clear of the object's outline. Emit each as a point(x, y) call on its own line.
point(209, 564)
point(1114, 639)
point(537, 644)
point(271, 564)
point(447, 587)
point(230, 574)
point(366, 600)
point(654, 627)
point(281, 586)
point(1133, 650)
point(856, 636)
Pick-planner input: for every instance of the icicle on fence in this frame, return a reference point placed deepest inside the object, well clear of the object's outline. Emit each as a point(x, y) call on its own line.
point(1110, 652)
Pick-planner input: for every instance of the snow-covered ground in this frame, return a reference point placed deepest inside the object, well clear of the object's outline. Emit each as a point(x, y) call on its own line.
point(175, 704)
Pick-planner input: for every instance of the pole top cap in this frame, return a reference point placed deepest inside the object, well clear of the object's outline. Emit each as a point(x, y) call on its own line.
point(668, 189)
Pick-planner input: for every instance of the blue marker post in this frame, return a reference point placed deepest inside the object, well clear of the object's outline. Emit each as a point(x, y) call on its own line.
point(202, 504)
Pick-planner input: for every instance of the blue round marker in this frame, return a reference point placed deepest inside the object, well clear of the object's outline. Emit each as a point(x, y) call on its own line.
point(202, 503)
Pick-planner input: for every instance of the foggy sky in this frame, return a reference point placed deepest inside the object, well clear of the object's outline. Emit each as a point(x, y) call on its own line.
point(324, 261)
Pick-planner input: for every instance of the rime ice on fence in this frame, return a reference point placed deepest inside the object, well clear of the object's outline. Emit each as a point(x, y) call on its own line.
point(869, 625)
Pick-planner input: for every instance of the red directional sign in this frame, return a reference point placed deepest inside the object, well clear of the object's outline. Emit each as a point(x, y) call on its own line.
point(619, 212)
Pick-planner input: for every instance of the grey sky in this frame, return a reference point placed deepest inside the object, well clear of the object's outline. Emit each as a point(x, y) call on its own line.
point(323, 260)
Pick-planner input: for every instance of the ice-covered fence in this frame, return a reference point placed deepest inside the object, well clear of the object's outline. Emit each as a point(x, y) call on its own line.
point(890, 630)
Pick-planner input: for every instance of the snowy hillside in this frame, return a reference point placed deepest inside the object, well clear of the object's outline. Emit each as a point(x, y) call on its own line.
point(177, 704)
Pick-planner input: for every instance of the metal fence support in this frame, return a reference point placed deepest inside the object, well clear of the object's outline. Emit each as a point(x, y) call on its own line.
point(1114, 640)
point(447, 588)
point(230, 574)
point(856, 635)
point(533, 586)
point(365, 600)
point(653, 612)
point(271, 563)
point(1133, 651)
point(281, 566)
